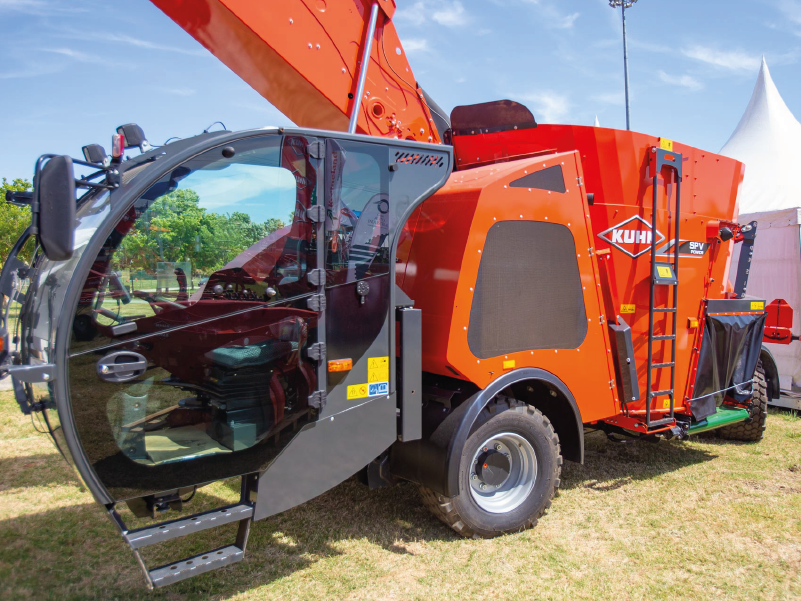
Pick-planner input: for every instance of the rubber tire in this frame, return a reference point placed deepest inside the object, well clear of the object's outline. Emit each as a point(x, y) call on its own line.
point(754, 429)
point(462, 513)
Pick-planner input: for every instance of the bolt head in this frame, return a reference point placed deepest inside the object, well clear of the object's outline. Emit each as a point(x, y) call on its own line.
point(104, 369)
point(482, 486)
point(497, 447)
point(474, 477)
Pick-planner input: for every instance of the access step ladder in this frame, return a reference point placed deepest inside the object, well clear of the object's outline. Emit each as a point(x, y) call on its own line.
point(663, 273)
point(241, 513)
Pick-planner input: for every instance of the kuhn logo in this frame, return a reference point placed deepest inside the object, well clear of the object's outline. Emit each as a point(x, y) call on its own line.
point(633, 236)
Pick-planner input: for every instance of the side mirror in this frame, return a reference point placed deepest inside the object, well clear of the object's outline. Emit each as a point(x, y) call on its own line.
point(56, 194)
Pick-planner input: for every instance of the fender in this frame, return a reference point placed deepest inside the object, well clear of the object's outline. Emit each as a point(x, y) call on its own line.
point(434, 462)
point(771, 372)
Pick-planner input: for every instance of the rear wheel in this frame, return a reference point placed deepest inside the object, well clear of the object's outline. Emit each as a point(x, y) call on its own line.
point(752, 430)
point(508, 473)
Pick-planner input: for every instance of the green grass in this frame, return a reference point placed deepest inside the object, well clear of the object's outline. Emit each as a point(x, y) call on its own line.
point(698, 520)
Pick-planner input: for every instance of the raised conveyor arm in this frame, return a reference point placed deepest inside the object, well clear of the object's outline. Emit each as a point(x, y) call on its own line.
point(304, 57)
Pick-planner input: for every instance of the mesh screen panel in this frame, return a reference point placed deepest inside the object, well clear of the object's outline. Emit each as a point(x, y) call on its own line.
point(528, 292)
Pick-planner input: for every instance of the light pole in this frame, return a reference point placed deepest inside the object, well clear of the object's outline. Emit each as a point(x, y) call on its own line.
point(624, 4)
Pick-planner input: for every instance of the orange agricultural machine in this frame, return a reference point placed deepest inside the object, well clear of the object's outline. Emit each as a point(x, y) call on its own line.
point(450, 301)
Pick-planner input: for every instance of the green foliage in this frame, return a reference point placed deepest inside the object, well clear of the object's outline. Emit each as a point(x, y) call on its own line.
point(175, 228)
point(13, 219)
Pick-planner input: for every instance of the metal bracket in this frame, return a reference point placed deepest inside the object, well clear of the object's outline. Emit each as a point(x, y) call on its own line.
point(316, 149)
point(316, 277)
point(316, 302)
point(317, 399)
point(749, 233)
point(316, 214)
point(316, 351)
point(44, 372)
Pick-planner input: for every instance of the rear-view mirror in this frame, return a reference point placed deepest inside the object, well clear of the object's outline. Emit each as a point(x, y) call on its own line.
point(56, 195)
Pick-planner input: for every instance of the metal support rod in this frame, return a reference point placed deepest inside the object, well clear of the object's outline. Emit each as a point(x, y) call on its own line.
point(368, 46)
point(626, 66)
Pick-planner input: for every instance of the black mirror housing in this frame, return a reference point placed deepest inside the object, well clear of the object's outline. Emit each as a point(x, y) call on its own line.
point(55, 191)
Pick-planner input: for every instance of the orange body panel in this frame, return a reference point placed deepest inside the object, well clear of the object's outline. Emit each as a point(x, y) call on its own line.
point(304, 57)
point(614, 166)
point(442, 261)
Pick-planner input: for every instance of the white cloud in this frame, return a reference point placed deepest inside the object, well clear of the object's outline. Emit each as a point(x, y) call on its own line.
point(616, 98)
point(685, 81)
point(412, 45)
point(132, 41)
point(735, 60)
point(449, 14)
point(41, 8)
point(553, 17)
point(548, 106)
point(81, 57)
point(179, 91)
point(565, 22)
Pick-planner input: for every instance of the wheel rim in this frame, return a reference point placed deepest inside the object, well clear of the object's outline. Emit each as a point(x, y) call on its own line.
point(493, 490)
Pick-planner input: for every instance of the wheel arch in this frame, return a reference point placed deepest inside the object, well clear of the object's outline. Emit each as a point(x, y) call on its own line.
point(434, 462)
point(771, 372)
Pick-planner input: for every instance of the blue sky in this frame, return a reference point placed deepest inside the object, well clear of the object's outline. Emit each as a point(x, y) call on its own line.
point(71, 71)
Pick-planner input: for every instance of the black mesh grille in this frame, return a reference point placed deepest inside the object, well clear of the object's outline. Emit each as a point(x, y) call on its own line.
point(528, 292)
point(418, 158)
point(544, 179)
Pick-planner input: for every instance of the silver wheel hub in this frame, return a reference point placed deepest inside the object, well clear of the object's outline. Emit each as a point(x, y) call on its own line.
point(503, 472)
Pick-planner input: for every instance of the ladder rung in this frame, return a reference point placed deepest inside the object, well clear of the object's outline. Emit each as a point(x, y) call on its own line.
point(656, 393)
point(670, 337)
point(192, 566)
point(661, 422)
point(661, 365)
point(664, 310)
point(181, 527)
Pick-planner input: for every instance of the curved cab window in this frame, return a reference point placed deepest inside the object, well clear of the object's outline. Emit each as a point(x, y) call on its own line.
point(190, 332)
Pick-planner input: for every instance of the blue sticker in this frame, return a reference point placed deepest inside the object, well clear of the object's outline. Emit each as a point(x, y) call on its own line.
point(379, 388)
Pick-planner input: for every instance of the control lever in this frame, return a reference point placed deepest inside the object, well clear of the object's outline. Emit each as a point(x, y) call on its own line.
point(121, 366)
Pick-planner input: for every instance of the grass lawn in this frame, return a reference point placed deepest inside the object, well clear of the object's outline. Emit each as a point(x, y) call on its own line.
point(701, 520)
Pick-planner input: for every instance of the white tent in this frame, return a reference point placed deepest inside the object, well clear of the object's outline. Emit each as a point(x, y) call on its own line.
point(767, 141)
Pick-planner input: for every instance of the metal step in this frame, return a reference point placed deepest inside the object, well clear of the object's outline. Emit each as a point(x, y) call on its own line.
point(661, 422)
point(661, 365)
point(181, 527)
point(192, 566)
point(657, 393)
point(668, 337)
point(664, 310)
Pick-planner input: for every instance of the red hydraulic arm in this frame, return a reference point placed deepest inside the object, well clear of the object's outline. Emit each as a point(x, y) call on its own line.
point(304, 56)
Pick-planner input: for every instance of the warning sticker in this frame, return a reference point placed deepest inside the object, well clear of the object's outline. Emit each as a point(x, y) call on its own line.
point(627, 308)
point(377, 370)
point(757, 306)
point(379, 388)
point(666, 403)
point(357, 391)
point(664, 272)
point(361, 391)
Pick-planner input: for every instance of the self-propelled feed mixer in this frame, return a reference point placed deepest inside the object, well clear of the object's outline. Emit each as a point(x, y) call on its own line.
point(399, 293)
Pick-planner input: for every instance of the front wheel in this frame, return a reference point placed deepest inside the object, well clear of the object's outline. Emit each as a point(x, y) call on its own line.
point(508, 473)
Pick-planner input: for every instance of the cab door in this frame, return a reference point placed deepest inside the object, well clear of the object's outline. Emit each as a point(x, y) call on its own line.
point(190, 354)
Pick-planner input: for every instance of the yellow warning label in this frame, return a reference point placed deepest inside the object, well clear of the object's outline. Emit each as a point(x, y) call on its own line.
point(757, 306)
point(509, 364)
point(666, 144)
point(664, 271)
point(627, 308)
point(666, 403)
point(377, 369)
point(357, 391)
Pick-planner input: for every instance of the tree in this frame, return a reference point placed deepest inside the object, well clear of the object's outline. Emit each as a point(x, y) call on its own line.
point(13, 219)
